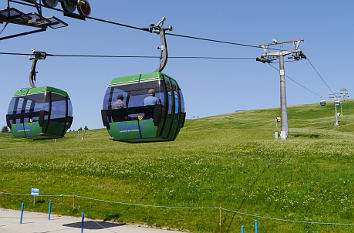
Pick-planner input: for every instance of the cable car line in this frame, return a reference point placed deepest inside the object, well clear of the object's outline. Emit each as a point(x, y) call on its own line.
point(147, 30)
point(16, 54)
point(296, 82)
point(215, 58)
point(4, 27)
point(319, 75)
point(217, 41)
point(129, 56)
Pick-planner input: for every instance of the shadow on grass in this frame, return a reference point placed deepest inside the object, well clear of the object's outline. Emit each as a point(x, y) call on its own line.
point(306, 135)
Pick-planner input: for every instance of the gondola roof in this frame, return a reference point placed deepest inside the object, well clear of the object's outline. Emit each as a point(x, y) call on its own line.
point(37, 90)
point(135, 78)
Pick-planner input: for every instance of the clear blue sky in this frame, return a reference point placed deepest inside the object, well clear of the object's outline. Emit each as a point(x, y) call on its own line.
point(210, 87)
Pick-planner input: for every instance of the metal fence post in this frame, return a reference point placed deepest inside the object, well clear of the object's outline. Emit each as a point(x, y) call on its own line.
point(50, 209)
point(21, 212)
point(82, 222)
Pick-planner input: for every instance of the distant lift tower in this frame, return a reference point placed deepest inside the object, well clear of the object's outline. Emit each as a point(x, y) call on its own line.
point(336, 97)
point(267, 57)
point(344, 95)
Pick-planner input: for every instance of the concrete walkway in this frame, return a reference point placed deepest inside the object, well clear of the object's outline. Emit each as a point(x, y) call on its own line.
point(38, 223)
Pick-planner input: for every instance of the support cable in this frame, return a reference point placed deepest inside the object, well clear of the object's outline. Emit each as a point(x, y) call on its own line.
point(128, 56)
point(144, 29)
point(296, 82)
point(319, 75)
point(3, 29)
point(218, 41)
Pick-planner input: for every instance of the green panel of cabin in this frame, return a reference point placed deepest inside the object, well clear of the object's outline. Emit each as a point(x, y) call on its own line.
point(148, 128)
point(124, 130)
point(30, 129)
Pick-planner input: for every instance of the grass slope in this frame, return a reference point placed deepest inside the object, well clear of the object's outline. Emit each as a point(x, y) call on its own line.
point(229, 159)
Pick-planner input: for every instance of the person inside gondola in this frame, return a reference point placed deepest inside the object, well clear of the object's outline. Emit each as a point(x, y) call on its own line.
point(119, 104)
point(151, 99)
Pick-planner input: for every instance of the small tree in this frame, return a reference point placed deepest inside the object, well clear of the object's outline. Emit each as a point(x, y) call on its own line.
point(80, 129)
point(5, 129)
point(86, 128)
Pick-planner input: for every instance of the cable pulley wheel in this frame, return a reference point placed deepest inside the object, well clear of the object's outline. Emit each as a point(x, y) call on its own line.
point(84, 8)
point(50, 3)
point(69, 5)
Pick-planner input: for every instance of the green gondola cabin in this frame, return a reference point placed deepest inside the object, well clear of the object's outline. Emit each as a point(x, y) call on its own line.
point(40, 113)
point(143, 108)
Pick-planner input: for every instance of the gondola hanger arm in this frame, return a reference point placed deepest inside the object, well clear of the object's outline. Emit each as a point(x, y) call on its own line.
point(37, 55)
point(158, 29)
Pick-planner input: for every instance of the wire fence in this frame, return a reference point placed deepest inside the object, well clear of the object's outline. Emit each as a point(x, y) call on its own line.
point(184, 207)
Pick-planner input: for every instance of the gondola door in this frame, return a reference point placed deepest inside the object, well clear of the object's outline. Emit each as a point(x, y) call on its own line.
point(150, 115)
point(169, 110)
point(22, 118)
point(17, 126)
point(30, 123)
point(175, 111)
point(58, 111)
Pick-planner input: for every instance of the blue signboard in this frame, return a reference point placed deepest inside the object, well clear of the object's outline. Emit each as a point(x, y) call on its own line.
point(35, 191)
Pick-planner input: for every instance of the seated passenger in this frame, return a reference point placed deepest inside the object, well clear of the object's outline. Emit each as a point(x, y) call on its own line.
point(151, 99)
point(119, 104)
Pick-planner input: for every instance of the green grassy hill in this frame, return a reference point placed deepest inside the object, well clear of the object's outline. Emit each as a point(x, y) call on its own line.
point(230, 159)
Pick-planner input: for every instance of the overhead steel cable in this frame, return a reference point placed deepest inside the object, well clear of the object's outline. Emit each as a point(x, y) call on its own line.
point(216, 41)
point(214, 58)
point(4, 27)
point(319, 75)
point(147, 30)
point(16, 54)
point(296, 82)
point(129, 56)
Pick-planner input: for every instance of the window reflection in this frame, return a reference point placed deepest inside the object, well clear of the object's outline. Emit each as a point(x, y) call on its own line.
point(182, 101)
point(39, 102)
point(58, 109)
point(133, 94)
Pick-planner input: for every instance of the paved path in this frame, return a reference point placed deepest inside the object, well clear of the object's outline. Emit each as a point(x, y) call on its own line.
point(38, 223)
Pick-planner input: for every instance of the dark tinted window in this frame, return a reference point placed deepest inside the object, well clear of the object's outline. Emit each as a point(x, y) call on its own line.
point(20, 105)
point(29, 107)
point(169, 96)
point(11, 106)
point(58, 109)
point(134, 94)
point(70, 108)
point(39, 102)
point(58, 106)
point(176, 102)
point(182, 101)
point(106, 100)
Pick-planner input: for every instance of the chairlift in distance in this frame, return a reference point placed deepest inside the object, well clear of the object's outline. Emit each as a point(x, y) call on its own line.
point(323, 102)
